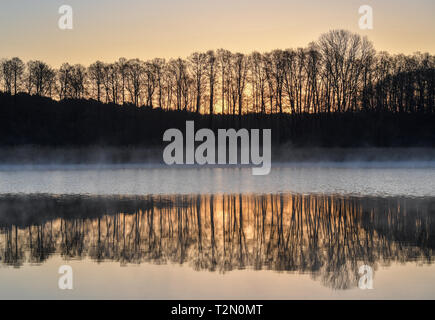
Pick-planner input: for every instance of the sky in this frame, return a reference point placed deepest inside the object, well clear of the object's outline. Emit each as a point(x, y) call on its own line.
point(108, 29)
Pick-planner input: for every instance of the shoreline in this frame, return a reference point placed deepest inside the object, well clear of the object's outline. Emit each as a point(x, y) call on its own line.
point(33, 155)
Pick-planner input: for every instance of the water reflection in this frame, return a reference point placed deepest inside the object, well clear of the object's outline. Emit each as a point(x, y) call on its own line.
point(325, 236)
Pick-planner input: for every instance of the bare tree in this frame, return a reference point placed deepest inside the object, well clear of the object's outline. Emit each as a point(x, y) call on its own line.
point(150, 80)
point(96, 75)
point(159, 70)
point(6, 70)
point(134, 77)
point(42, 77)
point(290, 78)
point(258, 82)
point(343, 53)
point(275, 75)
point(16, 69)
point(78, 81)
point(114, 80)
point(211, 72)
point(197, 63)
point(224, 58)
point(123, 68)
point(240, 71)
point(64, 78)
point(178, 70)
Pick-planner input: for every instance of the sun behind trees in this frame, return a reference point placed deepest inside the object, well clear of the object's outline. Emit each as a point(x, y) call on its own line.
point(341, 72)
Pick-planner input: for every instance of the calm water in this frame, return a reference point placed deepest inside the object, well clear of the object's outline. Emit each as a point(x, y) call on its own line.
point(156, 233)
point(414, 179)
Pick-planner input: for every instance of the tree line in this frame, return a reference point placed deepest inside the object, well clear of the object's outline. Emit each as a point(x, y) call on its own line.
point(340, 72)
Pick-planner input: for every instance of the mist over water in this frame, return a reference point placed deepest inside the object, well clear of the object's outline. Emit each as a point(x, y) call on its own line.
point(147, 230)
point(413, 179)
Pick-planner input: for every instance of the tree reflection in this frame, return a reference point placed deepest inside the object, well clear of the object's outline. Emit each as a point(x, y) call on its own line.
point(328, 237)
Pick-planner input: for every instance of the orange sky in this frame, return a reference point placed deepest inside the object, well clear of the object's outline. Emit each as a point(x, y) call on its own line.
point(109, 29)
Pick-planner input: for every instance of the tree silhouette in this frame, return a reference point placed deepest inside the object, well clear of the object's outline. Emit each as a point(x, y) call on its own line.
point(319, 94)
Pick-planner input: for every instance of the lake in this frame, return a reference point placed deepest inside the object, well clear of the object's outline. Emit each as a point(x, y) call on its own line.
point(153, 232)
